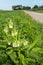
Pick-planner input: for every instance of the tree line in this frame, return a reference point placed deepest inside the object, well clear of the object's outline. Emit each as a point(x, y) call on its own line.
point(20, 7)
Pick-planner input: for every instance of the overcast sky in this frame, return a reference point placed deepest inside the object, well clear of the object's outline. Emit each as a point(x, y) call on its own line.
point(7, 4)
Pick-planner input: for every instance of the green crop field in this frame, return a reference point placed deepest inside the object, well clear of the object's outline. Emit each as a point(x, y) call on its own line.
point(21, 39)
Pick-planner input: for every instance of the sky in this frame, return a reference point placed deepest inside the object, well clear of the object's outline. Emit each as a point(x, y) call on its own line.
point(7, 4)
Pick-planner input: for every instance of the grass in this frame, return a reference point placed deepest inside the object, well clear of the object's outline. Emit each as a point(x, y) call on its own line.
point(21, 39)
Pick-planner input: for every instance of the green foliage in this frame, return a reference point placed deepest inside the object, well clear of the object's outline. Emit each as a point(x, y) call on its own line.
point(21, 39)
point(35, 7)
point(20, 7)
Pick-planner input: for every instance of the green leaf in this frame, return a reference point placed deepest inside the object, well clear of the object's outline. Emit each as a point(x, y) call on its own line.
point(34, 43)
point(38, 50)
point(22, 59)
point(12, 56)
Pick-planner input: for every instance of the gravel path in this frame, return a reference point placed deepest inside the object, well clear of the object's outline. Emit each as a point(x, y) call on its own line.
point(37, 16)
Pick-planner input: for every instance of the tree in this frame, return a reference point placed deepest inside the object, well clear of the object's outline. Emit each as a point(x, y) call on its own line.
point(41, 7)
point(35, 7)
point(26, 8)
point(17, 7)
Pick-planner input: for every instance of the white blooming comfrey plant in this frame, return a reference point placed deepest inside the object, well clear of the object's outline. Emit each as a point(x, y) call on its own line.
point(10, 24)
point(13, 33)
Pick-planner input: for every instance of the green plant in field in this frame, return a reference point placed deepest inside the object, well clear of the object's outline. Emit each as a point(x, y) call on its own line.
point(12, 33)
point(21, 39)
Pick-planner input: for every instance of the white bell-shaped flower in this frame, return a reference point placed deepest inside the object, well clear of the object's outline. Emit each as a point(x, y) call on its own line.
point(15, 45)
point(9, 43)
point(18, 45)
point(25, 42)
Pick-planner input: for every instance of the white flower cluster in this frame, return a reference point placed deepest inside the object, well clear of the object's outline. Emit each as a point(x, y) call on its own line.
point(9, 43)
point(10, 24)
point(6, 30)
point(16, 44)
point(25, 42)
point(14, 33)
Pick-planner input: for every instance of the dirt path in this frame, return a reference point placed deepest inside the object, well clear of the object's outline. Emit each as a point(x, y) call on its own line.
point(37, 16)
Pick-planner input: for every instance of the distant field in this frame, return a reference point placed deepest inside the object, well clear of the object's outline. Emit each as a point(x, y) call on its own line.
point(21, 39)
point(38, 10)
